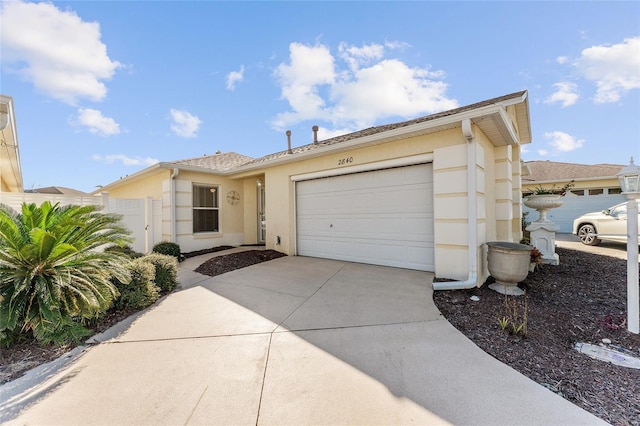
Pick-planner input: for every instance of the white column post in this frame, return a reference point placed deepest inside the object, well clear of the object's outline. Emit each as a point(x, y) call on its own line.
point(633, 293)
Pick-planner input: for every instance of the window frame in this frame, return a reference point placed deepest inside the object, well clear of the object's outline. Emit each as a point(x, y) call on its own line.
point(214, 208)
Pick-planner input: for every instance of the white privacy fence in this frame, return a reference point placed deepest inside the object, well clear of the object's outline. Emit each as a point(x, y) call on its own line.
point(143, 217)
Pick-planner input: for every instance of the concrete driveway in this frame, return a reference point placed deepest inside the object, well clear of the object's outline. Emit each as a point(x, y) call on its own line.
point(292, 341)
point(606, 248)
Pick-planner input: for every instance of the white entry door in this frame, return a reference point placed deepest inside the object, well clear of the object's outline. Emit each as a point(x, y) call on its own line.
point(382, 217)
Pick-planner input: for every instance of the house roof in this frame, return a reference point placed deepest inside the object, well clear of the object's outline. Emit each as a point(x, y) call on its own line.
point(56, 190)
point(219, 162)
point(551, 171)
point(490, 116)
point(371, 131)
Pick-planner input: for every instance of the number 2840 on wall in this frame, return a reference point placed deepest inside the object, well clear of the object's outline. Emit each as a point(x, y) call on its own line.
point(343, 161)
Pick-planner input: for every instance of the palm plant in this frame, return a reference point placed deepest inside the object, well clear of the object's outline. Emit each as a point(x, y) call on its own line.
point(53, 271)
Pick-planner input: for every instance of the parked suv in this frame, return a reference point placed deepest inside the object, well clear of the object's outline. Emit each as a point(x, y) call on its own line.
point(609, 224)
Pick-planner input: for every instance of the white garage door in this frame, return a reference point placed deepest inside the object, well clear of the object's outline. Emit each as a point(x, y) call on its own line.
point(383, 217)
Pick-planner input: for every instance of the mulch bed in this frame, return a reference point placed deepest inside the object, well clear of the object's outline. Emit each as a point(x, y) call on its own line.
point(581, 300)
point(206, 251)
point(230, 262)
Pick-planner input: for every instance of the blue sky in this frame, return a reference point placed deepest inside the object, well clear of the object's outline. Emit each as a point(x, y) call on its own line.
point(105, 89)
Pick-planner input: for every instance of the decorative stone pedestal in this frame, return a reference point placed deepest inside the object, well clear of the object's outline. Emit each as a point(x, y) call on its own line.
point(543, 237)
point(543, 231)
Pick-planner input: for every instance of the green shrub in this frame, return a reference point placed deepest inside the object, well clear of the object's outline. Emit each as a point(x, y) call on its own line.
point(168, 248)
point(126, 250)
point(166, 276)
point(139, 291)
point(52, 274)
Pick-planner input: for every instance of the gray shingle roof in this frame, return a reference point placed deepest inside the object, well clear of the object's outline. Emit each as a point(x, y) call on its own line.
point(549, 171)
point(221, 162)
point(386, 127)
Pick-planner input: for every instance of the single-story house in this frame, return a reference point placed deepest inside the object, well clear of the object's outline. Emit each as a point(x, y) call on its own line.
point(422, 194)
point(10, 168)
point(595, 188)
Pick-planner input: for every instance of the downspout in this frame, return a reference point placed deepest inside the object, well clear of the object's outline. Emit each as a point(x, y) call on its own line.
point(472, 216)
point(174, 174)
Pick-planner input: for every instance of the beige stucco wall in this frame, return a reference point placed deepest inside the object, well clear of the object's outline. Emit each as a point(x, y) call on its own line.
point(449, 152)
point(149, 185)
point(498, 184)
point(231, 216)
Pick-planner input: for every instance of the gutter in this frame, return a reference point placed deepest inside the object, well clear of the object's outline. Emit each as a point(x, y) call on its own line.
point(174, 225)
point(472, 215)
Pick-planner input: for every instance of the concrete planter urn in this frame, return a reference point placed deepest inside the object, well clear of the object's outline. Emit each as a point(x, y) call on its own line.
point(543, 203)
point(508, 265)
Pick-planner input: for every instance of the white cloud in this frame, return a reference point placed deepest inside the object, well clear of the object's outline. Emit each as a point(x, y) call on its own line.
point(613, 68)
point(566, 94)
point(562, 60)
point(358, 56)
point(543, 152)
point(57, 51)
point(563, 142)
point(125, 160)
point(235, 77)
point(368, 88)
point(97, 123)
point(184, 124)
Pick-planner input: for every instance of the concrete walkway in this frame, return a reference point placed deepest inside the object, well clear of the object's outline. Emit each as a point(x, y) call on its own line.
point(293, 341)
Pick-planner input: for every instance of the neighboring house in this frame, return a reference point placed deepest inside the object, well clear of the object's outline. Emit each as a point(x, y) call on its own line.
point(58, 190)
point(10, 168)
point(596, 187)
point(422, 194)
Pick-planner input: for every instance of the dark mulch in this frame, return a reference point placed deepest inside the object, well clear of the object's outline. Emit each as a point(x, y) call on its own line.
point(205, 251)
point(227, 263)
point(28, 354)
point(581, 300)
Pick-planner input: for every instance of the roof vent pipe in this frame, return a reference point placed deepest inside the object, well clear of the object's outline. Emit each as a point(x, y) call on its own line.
point(289, 142)
point(315, 135)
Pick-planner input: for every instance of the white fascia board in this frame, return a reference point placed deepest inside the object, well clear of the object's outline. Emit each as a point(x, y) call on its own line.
point(163, 165)
point(378, 138)
point(130, 178)
point(511, 136)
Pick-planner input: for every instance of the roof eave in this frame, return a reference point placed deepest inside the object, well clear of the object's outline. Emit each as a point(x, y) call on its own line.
point(494, 111)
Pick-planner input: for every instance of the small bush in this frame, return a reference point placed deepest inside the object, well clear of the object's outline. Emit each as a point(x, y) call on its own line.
point(166, 275)
point(140, 291)
point(126, 250)
point(168, 248)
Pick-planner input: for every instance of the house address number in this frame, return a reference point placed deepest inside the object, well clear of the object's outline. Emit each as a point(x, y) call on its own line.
point(346, 160)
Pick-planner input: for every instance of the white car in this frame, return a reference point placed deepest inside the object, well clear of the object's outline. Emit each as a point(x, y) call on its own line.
point(609, 224)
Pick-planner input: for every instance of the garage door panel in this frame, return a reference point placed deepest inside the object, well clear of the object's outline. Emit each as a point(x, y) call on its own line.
point(382, 217)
